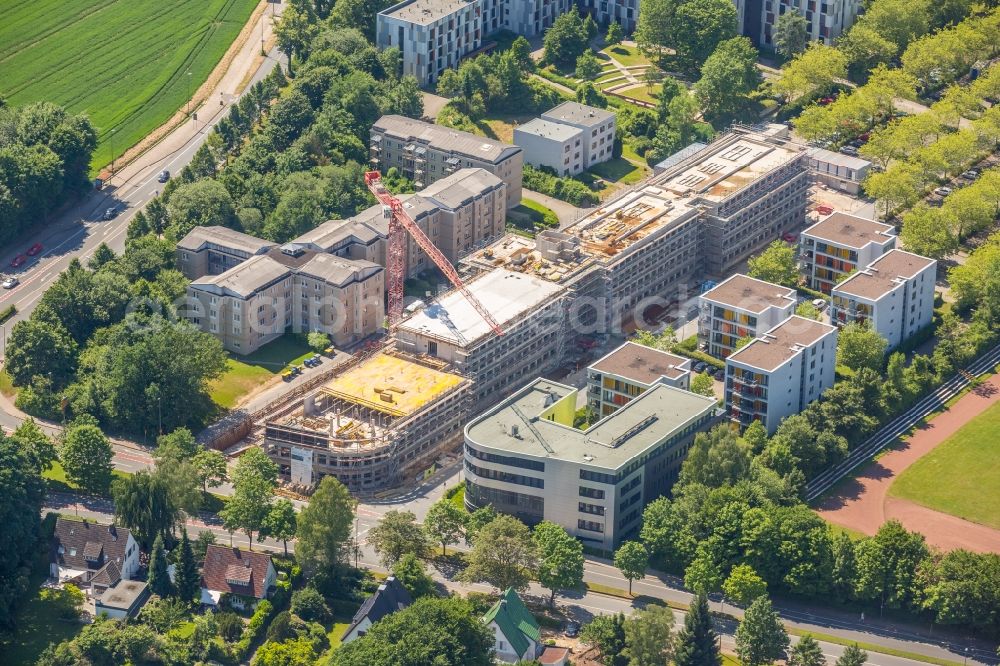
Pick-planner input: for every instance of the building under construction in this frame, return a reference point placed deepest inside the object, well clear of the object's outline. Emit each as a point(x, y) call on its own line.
point(386, 419)
point(700, 217)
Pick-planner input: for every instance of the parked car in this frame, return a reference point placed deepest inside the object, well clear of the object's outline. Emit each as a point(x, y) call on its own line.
point(18, 261)
point(10, 283)
point(720, 375)
point(942, 191)
point(971, 174)
point(571, 629)
point(316, 359)
point(789, 237)
point(288, 375)
point(699, 366)
point(111, 213)
point(820, 304)
point(849, 150)
point(34, 249)
point(164, 176)
point(330, 352)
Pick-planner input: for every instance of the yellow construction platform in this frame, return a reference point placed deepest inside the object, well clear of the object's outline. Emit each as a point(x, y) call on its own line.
point(392, 385)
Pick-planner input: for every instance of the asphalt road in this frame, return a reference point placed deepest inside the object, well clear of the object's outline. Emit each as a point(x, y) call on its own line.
point(583, 606)
point(80, 230)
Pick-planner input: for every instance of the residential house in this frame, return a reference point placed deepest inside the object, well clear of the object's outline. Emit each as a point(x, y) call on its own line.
point(390, 597)
point(632, 369)
point(244, 576)
point(123, 600)
point(517, 633)
point(741, 307)
point(598, 127)
point(92, 556)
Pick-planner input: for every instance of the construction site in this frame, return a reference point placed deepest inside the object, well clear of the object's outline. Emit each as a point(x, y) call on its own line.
point(523, 306)
point(385, 418)
point(697, 219)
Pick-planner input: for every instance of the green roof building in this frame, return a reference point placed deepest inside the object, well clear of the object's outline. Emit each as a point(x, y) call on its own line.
point(517, 633)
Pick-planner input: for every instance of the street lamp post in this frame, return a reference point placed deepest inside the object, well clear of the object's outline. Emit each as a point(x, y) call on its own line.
point(357, 546)
point(112, 140)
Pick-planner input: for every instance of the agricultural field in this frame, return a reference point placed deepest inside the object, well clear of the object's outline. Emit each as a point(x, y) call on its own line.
point(128, 64)
point(960, 476)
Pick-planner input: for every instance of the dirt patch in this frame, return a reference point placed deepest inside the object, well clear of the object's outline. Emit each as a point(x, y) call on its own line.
point(863, 503)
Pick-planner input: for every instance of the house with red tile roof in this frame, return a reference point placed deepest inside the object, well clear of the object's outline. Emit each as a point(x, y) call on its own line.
point(245, 576)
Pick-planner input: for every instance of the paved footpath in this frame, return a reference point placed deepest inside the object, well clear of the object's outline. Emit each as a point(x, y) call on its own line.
point(863, 503)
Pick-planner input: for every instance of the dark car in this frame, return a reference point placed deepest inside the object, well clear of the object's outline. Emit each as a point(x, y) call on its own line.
point(720, 375)
point(699, 366)
point(164, 176)
point(18, 261)
point(110, 213)
point(571, 629)
point(34, 249)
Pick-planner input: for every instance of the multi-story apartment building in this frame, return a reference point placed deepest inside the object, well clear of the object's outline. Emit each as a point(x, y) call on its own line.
point(214, 250)
point(529, 310)
point(629, 371)
point(380, 421)
point(598, 127)
point(553, 145)
point(625, 12)
point(894, 295)
point(653, 244)
point(256, 301)
point(524, 457)
point(825, 19)
point(525, 17)
point(780, 372)
point(431, 35)
point(839, 244)
point(425, 153)
point(741, 307)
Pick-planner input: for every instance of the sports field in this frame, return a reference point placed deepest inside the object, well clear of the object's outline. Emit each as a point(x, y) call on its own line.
point(123, 62)
point(961, 476)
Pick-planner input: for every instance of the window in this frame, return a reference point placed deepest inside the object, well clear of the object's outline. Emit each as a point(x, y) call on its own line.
point(590, 525)
point(592, 493)
point(594, 509)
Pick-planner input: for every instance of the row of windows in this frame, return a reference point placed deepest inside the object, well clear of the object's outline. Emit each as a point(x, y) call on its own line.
point(590, 525)
point(592, 493)
point(594, 509)
point(512, 461)
point(507, 477)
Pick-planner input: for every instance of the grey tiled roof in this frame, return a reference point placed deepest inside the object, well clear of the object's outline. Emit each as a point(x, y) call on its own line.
point(444, 139)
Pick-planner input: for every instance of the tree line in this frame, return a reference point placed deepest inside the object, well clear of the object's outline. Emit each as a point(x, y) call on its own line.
point(44, 158)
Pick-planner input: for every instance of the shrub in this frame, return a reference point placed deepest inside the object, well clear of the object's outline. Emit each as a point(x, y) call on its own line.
point(7, 313)
point(66, 600)
point(567, 189)
point(309, 604)
point(230, 625)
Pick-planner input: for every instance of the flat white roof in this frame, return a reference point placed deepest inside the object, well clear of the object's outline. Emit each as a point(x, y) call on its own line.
point(504, 294)
point(548, 130)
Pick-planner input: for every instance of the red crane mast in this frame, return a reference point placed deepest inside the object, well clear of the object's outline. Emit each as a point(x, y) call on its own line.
point(400, 223)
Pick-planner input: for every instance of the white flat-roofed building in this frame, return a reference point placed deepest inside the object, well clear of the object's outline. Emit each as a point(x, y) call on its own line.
point(780, 372)
point(425, 152)
point(837, 170)
point(740, 307)
point(598, 127)
point(553, 145)
point(894, 295)
point(839, 244)
point(431, 35)
point(629, 371)
point(525, 458)
point(529, 310)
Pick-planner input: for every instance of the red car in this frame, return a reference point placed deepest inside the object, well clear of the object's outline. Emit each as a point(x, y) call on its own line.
point(790, 238)
point(18, 261)
point(34, 249)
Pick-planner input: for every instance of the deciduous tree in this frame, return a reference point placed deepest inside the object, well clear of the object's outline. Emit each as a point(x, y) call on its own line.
point(631, 559)
point(860, 346)
point(790, 34)
point(615, 34)
point(324, 526)
point(707, 23)
point(560, 558)
point(397, 533)
point(775, 263)
point(412, 574)
point(649, 636)
point(743, 585)
point(143, 505)
point(86, 456)
point(254, 479)
point(761, 638)
point(852, 656)
point(503, 555)
point(280, 522)
point(728, 76)
point(702, 384)
point(445, 523)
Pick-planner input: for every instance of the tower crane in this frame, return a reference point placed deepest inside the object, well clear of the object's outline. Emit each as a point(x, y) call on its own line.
point(400, 223)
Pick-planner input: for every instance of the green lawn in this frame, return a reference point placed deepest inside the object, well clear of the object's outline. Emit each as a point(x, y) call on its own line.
point(7, 385)
point(961, 476)
point(245, 373)
point(619, 170)
point(626, 55)
point(335, 634)
point(501, 126)
point(38, 625)
point(643, 92)
point(128, 65)
point(57, 481)
point(530, 213)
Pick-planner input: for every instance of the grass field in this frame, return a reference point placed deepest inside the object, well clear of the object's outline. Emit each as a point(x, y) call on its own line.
point(961, 476)
point(626, 55)
point(126, 63)
point(643, 93)
point(245, 373)
point(620, 170)
point(7, 385)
